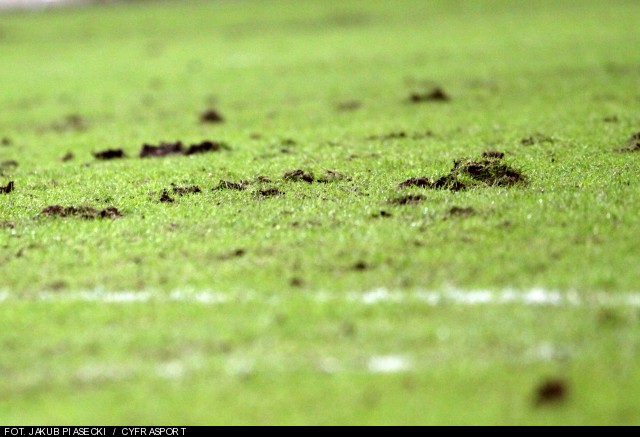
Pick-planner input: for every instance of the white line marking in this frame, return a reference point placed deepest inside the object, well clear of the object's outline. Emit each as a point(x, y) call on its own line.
point(532, 297)
point(389, 364)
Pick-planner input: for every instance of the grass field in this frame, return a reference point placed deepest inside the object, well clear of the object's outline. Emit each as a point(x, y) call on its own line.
point(332, 295)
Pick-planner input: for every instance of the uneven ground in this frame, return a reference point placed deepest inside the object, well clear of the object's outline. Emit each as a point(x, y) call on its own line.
point(332, 295)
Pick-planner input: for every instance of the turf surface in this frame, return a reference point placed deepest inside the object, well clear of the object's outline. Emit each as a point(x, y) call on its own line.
point(324, 87)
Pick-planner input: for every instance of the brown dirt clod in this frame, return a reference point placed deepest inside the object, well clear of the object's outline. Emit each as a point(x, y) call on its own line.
point(270, 192)
point(410, 199)
point(360, 266)
point(205, 147)
point(211, 116)
point(162, 150)
point(165, 197)
point(8, 188)
point(84, 212)
point(552, 391)
point(299, 176)
point(109, 154)
point(68, 157)
point(493, 154)
point(183, 191)
point(492, 172)
point(230, 185)
point(633, 144)
point(435, 95)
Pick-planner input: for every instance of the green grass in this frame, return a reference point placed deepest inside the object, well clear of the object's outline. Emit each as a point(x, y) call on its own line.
point(553, 71)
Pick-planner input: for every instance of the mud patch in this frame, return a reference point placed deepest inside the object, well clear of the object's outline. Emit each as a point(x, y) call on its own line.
point(435, 95)
point(551, 392)
point(230, 185)
point(109, 154)
point(211, 116)
point(8, 188)
point(162, 150)
point(632, 144)
point(270, 192)
point(165, 197)
point(206, 147)
point(299, 176)
point(458, 211)
point(183, 191)
point(411, 199)
point(489, 171)
point(84, 212)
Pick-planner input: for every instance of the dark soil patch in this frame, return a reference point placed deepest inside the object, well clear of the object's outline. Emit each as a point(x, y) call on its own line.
point(493, 154)
point(383, 214)
point(165, 197)
point(536, 138)
point(611, 119)
point(411, 199)
point(402, 135)
point(299, 176)
point(360, 266)
point(206, 147)
point(296, 282)
point(162, 150)
point(458, 211)
point(6, 141)
point(263, 179)
point(332, 176)
point(633, 144)
point(349, 105)
point(552, 391)
point(68, 157)
point(183, 191)
point(84, 212)
point(270, 192)
point(211, 116)
point(8, 188)
point(435, 95)
point(489, 171)
point(229, 185)
point(109, 154)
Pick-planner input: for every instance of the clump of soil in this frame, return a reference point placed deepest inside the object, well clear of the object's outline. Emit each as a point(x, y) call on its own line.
point(6, 141)
point(162, 150)
point(299, 176)
point(84, 212)
point(182, 191)
point(633, 144)
point(489, 171)
point(552, 391)
point(408, 200)
point(435, 95)
point(458, 211)
point(68, 157)
point(360, 266)
point(211, 116)
point(165, 197)
point(109, 154)
point(230, 185)
point(536, 138)
point(332, 176)
point(493, 154)
point(264, 179)
point(205, 147)
point(178, 148)
point(8, 188)
point(270, 192)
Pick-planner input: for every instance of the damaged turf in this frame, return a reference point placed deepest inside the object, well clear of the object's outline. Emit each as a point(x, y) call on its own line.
point(7, 189)
point(435, 95)
point(633, 144)
point(177, 148)
point(84, 212)
point(299, 176)
point(490, 171)
point(109, 154)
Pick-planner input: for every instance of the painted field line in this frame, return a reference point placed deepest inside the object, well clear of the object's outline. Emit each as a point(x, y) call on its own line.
point(450, 296)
